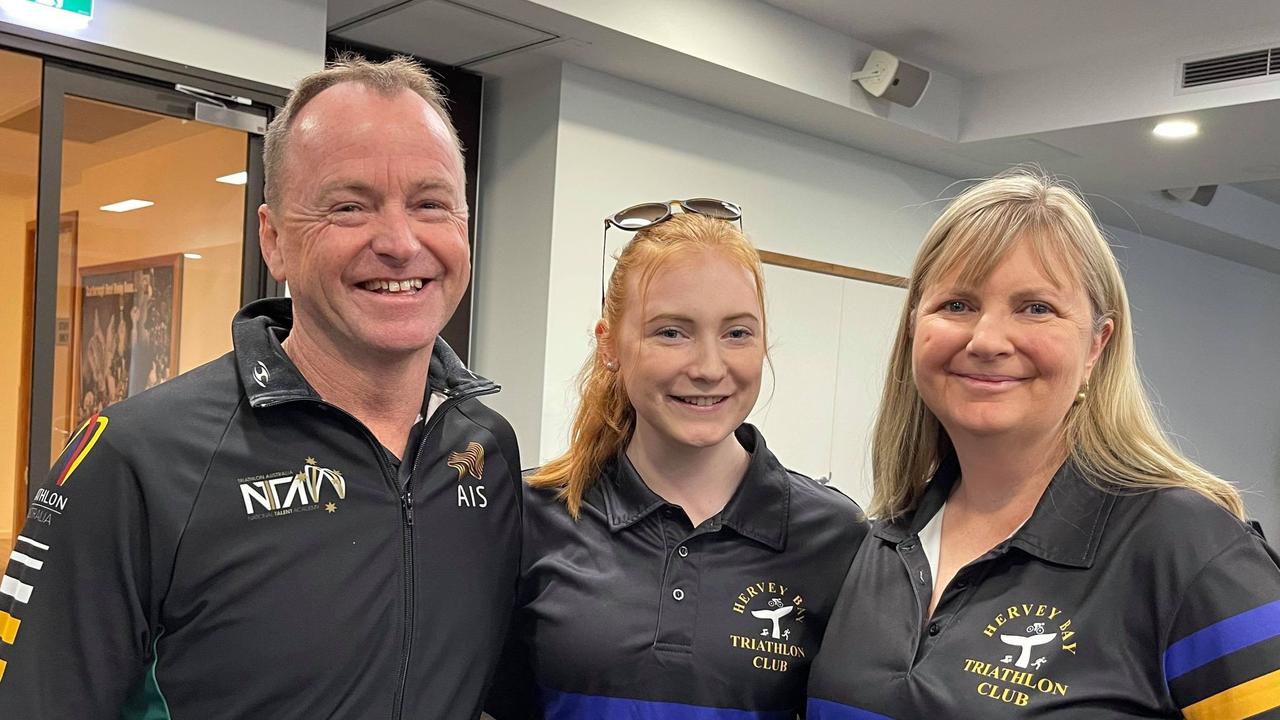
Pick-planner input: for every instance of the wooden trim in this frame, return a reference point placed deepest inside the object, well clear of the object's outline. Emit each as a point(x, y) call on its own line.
point(826, 268)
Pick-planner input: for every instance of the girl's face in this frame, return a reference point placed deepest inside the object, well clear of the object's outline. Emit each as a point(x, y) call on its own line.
point(690, 351)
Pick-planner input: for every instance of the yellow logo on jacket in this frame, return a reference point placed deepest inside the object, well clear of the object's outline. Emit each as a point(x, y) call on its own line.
point(469, 462)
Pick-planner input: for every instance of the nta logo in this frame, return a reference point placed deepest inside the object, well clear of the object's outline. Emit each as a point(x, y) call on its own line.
point(287, 492)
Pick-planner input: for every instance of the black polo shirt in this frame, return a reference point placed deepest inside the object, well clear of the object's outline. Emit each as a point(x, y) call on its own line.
point(633, 612)
point(1151, 605)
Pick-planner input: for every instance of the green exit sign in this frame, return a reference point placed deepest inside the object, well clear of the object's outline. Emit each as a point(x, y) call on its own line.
point(79, 7)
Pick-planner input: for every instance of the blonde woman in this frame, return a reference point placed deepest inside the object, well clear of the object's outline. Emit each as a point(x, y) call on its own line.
point(673, 568)
point(1040, 549)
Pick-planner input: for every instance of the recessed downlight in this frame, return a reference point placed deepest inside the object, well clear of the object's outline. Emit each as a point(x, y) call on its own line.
point(1176, 129)
point(127, 205)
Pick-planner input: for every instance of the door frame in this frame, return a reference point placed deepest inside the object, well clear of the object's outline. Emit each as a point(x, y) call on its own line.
point(62, 79)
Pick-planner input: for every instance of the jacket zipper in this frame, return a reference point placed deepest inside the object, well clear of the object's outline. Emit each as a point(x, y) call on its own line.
point(406, 509)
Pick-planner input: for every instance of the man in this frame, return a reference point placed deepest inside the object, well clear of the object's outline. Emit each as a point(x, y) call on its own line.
point(324, 523)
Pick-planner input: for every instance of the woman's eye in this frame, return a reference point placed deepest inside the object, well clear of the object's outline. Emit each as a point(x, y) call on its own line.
point(669, 333)
point(955, 306)
point(739, 333)
point(1039, 308)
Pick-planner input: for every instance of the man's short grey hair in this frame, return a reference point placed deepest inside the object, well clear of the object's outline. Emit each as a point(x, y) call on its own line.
point(387, 78)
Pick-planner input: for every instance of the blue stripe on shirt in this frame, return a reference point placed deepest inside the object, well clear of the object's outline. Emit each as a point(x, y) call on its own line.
point(827, 710)
point(574, 706)
point(1222, 638)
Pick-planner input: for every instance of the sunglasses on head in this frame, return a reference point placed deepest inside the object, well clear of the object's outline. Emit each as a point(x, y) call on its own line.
point(645, 215)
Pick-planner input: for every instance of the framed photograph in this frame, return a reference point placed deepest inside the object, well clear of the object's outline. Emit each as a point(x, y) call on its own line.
point(127, 318)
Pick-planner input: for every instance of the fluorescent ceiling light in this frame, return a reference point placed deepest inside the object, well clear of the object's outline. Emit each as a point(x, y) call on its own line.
point(127, 205)
point(192, 256)
point(1176, 129)
point(239, 178)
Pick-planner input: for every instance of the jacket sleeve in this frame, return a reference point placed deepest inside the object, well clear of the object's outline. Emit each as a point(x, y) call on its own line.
point(74, 635)
point(1222, 660)
point(513, 694)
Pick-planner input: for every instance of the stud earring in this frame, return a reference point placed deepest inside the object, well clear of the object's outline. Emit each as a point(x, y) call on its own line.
point(611, 366)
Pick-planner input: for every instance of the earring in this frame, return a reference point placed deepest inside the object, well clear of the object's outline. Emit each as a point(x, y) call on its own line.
point(611, 366)
point(1083, 394)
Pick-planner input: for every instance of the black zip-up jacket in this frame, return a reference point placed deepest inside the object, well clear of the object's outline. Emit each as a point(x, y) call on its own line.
point(228, 545)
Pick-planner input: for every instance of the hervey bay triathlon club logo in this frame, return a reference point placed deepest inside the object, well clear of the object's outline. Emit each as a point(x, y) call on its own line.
point(1031, 636)
point(774, 638)
point(289, 491)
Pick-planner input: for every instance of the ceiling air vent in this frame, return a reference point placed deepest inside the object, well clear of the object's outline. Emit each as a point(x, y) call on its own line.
point(1240, 66)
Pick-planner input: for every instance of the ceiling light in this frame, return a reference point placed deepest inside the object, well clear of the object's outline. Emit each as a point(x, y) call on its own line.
point(127, 205)
point(1176, 129)
point(192, 256)
point(239, 178)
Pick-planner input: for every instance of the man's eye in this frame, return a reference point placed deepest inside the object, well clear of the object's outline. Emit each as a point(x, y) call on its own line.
point(346, 208)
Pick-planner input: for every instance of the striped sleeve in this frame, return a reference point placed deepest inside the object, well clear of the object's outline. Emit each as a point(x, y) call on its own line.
point(73, 598)
point(1223, 658)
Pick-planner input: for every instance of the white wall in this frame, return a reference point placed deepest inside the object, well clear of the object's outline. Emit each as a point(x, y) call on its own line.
point(618, 143)
point(1208, 343)
point(513, 220)
point(270, 41)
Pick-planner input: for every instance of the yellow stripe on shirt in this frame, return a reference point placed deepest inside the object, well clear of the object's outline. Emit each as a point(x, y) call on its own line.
point(8, 627)
point(1242, 701)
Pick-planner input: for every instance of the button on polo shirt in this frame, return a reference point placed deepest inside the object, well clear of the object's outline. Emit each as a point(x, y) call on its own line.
point(634, 612)
point(1151, 605)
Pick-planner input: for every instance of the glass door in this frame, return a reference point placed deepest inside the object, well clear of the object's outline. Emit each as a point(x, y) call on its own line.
point(146, 244)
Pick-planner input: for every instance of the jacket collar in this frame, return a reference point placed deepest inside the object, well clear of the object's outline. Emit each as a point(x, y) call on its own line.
point(1065, 528)
point(269, 377)
point(759, 509)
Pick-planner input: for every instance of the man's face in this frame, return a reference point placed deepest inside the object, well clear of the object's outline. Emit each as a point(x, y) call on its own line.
point(371, 227)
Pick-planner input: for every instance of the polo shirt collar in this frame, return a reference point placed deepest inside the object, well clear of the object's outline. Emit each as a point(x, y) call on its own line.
point(759, 509)
point(1065, 528)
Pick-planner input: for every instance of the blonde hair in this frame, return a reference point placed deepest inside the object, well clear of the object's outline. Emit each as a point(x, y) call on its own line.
point(605, 418)
point(387, 78)
point(1112, 435)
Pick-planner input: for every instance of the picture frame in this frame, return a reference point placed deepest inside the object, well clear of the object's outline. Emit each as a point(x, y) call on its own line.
point(127, 325)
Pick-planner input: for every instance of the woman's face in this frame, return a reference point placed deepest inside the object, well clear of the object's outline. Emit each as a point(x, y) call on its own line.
point(1007, 358)
point(690, 351)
